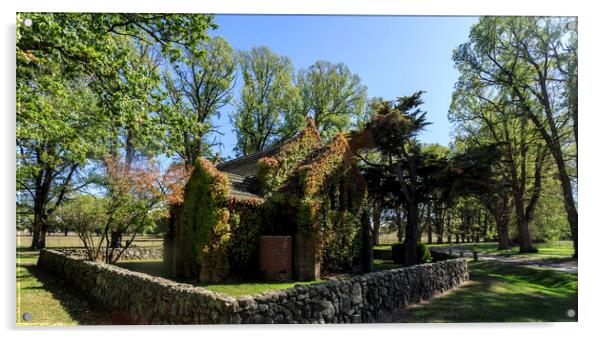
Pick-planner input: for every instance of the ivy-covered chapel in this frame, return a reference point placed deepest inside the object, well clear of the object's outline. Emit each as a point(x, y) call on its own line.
point(291, 211)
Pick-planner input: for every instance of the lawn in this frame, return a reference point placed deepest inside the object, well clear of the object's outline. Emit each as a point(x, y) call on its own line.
point(547, 250)
point(234, 289)
point(501, 292)
point(497, 292)
point(48, 301)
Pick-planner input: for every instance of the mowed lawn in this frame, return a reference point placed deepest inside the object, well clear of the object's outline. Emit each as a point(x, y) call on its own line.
point(547, 250)
point(233, 289)
point(500, 292)
point(497, 292)
point(48, 300)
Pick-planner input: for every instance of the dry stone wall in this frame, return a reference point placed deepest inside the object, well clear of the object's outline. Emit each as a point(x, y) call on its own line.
point(146, 299)
point(132, 253)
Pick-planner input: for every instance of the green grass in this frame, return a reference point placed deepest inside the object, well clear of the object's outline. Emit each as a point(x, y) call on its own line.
point(381, 265)
point(234, 289)
point(48, 300)
point(497, 292)
point(503, 293)
point(240, 289)
point(548, 250)
point(382, 247)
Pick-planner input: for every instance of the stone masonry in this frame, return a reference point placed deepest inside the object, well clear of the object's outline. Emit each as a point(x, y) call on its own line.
point(145, 299)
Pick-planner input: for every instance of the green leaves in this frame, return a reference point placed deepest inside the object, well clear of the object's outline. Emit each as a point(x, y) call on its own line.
point(198, 86)
point(268, 109)
point(88, 85)
point(332, 95)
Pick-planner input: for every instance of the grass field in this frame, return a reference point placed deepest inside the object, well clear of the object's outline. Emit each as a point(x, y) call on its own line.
point(497, 292)
point(54, 241)
point(501, 292)
point(48, 301)
point(234, 289)
point(547, 250)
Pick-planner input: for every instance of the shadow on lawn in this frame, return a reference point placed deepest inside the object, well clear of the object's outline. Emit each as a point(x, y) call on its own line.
point(80, 309)
point(501, 293)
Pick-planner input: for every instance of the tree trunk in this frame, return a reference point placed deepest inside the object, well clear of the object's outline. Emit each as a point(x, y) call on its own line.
point(429, 225)
point(439, 219)
point(411, 240)
point(40, 226)
point(376, 213)
point(501, 223)
point(569, 201)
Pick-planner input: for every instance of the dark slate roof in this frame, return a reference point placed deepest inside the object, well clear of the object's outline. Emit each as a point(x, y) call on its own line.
point(246, 166)
point(243, 187)
point(243, 170)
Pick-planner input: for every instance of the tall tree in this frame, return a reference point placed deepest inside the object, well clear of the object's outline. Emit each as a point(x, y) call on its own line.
point(332, 95)
point(534, 60)
point(393, 130)
point(268, 109)
point(483, 120)
point(199, 84)
point(75, 80)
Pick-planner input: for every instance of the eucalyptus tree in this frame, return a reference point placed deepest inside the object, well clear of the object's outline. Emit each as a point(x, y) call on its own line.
point(534, 60)
point(198, 85)
point(332, 95)
point(268, 108)
point(77, 80)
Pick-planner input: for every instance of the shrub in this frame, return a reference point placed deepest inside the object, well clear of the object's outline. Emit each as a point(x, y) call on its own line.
point(397, 253)
point(422, 253)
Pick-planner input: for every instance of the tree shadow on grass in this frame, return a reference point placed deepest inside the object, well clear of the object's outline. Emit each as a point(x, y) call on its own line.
point(500, 293)
point(79, 308)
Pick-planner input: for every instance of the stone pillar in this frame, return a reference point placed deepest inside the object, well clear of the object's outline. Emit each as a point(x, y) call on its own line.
point(306, 260)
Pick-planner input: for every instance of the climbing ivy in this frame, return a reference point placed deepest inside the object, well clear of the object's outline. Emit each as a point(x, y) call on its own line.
point(206, 215)
point(274, 171)
point(309, 188)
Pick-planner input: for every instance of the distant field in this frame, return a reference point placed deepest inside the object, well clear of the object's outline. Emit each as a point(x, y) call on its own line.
point(24, 241)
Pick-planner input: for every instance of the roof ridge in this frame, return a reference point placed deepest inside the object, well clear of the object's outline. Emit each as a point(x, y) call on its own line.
point(248, 156)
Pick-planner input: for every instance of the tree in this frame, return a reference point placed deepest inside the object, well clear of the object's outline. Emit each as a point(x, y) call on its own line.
point(198, 86)
point(331, 95)
point(393, 130)
point(75, 80)
point(84, 214)
point(534, 61)
point(483, 119)
point(132, 193)
point(268, 109)
point(56, 131)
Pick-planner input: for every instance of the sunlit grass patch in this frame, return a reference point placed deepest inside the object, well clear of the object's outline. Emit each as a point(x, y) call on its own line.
point(501, 292)
point(47, 300)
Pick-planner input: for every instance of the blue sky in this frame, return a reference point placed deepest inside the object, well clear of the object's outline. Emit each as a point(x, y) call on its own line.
point(393, 55)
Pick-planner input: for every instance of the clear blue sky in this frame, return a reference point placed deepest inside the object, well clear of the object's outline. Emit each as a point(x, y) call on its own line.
point(393, 55)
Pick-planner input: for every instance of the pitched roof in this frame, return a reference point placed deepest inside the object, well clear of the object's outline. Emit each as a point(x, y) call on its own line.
point(246, 166)
point(243, 187)
point(243, 170)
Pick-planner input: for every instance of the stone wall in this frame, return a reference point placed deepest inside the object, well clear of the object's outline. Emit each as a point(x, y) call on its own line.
point(146, 299)
point(132, 253)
